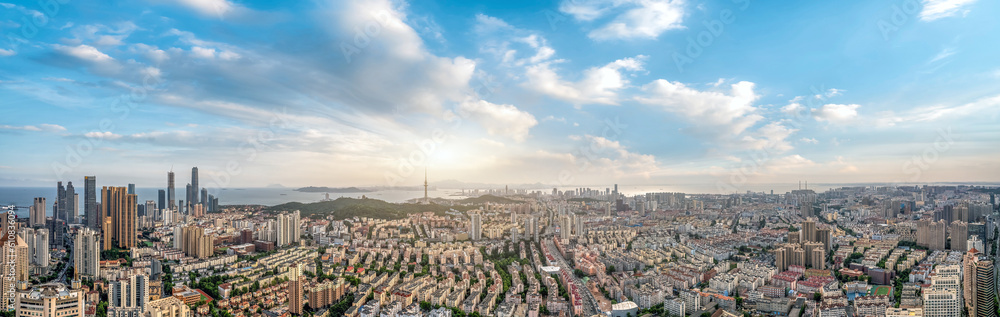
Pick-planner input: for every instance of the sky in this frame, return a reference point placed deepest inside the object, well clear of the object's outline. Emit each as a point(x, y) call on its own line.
point(574, 92)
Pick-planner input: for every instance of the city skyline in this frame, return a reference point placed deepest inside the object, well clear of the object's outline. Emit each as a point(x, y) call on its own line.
point(560, 93)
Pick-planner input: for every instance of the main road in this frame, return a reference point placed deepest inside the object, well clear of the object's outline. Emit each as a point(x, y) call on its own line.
point(590, 306)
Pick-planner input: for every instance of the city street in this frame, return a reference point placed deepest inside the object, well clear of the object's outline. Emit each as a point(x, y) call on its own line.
point(590, 306)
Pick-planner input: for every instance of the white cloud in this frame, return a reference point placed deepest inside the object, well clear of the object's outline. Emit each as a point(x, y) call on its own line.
point(809, 140)
point(943, 54)
point(485, 141)
point(937, 9)
point(832, 92)
point(101, 35)
point(554, 118)
point(62, 79)
point(792, 108)
point(6, 52)
point(203, 52)
point(713, 112)
point(507, 42)
point(983, 106)
point(599, 85)
point(789, 162)
point(504, 120)
point(106, 135)
point(772, 136)
point(644, 19)
point(209, 7)
point(45, 127)
point(84, 52)
point(153, 53)
point(836, 113)
point(613, 157)
point(488, 24)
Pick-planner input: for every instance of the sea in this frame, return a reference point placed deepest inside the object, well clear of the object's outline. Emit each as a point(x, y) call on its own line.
point(24, 196)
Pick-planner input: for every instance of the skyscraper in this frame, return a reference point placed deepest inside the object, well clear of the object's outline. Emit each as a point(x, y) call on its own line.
point(127, 297)
point(119, 210)
point(809, 230)
point(979, 284)
point(189, 198)
point(780, 258)
point(565, 227)
point(60, 203)
point(815, 255)
point(532, 224)
point(162, 203)
point(14, 255)
point(36, 214)
point(194, 186)
point(931, 234)
point(824, 235)
point(195, 242)
point(90, 213)
point(170, 191)
point(295, 290)
point(204, 199)
point(151, 211)
point(86, 254)
point(68, 204)
point(959, 236)
point(476, 226)
point(41, 248)
point(288, 229)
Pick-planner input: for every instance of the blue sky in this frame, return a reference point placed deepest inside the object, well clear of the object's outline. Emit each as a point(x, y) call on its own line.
point(574, 92)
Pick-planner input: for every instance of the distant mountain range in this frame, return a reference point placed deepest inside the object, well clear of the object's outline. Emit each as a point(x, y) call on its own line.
point(314, 189)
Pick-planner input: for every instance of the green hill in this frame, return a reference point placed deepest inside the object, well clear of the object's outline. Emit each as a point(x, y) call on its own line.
point(343, 208)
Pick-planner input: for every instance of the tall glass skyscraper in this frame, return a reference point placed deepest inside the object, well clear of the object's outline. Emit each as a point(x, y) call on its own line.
point(90, 213)
point(170, 191)
point(194, 187)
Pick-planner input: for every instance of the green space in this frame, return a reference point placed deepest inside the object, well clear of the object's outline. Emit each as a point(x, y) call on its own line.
point(344, 208)
point(882, 290)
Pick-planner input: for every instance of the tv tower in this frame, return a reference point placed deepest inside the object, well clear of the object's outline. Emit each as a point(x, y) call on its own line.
point(426, 199)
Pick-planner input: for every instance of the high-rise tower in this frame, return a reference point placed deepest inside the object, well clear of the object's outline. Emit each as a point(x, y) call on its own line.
point(36, 216)
point(91, 215)
point(170, 191)
point(194, 186)
point(119, 210)
point(426, 199)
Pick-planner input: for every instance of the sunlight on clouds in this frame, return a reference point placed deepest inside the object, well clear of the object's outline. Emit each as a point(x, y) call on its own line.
point(937, 9)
